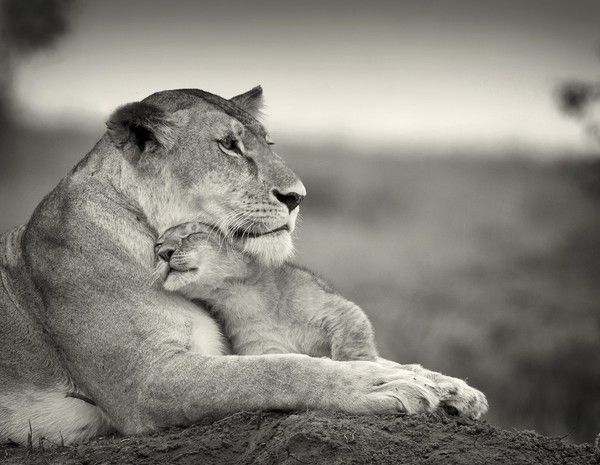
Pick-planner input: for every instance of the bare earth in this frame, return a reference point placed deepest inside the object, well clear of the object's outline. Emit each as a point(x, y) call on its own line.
point(321, 438)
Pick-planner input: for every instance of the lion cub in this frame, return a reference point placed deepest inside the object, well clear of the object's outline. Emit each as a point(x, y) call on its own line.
point(262, 310)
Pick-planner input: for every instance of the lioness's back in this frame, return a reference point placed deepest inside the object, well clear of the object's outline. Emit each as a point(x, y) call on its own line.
point(26, 352)
point(33, 387)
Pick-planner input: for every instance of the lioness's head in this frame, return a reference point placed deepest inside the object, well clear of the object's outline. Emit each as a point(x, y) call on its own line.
point(194, 156)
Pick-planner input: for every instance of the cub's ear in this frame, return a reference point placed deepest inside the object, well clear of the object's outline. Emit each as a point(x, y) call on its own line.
point(251, 101)
point(142, 127)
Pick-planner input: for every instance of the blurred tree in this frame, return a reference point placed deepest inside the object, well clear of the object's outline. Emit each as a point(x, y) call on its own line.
point(581, 100)
point(575, 96)
point(26, 26)
point(31, 25)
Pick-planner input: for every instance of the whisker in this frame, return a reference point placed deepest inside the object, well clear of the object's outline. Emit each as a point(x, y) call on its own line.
point(158, 273)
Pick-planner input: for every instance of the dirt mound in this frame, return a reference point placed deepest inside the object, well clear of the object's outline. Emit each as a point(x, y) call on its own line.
point(321, 438)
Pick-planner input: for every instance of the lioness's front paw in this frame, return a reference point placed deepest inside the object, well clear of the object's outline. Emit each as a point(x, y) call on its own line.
point(455, 395)
point(413, 394)
point(458, 395)
point(368, 387)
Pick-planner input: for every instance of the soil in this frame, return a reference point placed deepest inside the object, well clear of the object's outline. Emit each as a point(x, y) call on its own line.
point(320, 438)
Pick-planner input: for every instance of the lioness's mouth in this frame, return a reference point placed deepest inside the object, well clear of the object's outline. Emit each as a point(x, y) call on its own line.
point(244, 234)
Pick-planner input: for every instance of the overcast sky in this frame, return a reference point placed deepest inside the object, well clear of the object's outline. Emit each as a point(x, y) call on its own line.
point(373, 71)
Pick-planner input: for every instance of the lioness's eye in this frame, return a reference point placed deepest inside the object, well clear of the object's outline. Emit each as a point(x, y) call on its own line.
point(230, 146)
point(269, 141)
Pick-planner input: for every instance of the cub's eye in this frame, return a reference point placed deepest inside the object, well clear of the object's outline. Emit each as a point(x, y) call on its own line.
point(231, 146)
point(269, 141)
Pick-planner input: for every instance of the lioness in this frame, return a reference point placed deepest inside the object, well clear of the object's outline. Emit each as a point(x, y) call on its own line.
point(262, 309)
point(89, 346)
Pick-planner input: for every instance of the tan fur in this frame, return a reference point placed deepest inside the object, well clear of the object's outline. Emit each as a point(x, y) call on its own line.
point(79, 313)
point(49, 417)
point(264, 309)
point(281, 309)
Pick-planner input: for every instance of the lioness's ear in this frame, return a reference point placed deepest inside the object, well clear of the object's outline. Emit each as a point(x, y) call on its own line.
point(251, 101)
point(141, 127)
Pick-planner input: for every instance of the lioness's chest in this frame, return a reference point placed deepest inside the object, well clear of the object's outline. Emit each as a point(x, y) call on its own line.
point(205, 336)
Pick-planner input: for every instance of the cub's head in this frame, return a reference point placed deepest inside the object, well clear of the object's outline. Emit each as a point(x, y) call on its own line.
point(194, 259)
point(193, 156)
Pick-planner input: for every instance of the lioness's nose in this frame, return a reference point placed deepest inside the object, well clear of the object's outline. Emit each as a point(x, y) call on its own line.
point(291, 197)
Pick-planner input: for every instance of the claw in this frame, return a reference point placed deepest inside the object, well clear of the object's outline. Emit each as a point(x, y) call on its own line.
point(450, 410)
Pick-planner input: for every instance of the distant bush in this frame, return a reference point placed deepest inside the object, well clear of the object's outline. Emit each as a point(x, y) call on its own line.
point(579, 99)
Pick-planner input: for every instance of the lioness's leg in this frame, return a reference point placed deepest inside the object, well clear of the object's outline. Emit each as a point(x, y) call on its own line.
point(226, 384)
point(48, 417)
point(148, 375)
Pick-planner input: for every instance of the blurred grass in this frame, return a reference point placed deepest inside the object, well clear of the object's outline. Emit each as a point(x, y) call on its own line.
point(479, 268)
point(484, 269)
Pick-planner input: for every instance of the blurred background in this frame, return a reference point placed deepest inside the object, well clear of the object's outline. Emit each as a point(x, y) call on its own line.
point(450, 151)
